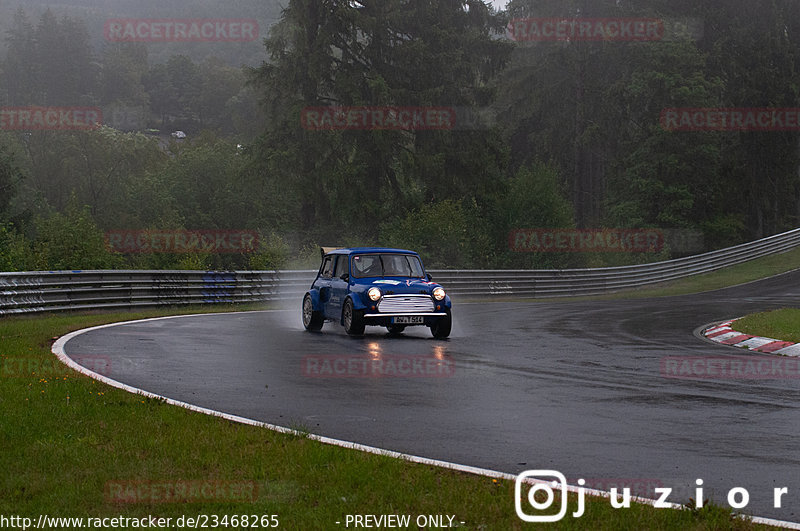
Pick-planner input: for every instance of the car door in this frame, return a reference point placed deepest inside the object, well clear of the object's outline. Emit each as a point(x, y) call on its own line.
point(339, 286)
point(323, 283)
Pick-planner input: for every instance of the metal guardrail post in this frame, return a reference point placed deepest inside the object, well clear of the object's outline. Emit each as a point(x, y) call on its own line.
point(29, 292)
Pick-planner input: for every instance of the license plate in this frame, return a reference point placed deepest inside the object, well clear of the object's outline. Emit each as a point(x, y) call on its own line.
point(408, 319)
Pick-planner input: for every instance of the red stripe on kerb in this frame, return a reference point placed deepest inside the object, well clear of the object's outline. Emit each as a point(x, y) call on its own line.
point(772, 347)
point(736, 339)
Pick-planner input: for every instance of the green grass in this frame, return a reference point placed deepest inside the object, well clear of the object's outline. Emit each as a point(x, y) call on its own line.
point(731, 276)
point(66, 438)
point(783, 324)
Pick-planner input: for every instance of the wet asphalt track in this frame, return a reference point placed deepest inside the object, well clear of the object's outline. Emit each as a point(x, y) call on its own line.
point(573, 386)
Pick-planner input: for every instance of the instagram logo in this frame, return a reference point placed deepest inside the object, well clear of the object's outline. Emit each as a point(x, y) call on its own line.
point(543, 483)
point(536, 478)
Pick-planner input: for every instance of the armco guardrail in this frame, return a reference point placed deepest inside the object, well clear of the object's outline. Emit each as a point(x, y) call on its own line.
point(83, 290)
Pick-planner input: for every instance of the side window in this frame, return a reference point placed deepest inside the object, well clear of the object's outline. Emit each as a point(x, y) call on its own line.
point(341, 266)
point(327, 267)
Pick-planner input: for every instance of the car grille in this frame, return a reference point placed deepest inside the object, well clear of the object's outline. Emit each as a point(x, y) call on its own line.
point(405, 304)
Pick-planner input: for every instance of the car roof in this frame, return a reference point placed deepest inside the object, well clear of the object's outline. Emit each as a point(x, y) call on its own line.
point(365, 250)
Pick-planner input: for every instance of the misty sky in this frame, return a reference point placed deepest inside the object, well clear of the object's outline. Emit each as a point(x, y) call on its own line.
point(499, 4)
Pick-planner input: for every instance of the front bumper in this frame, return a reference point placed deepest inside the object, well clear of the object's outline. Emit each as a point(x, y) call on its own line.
point(385, 319)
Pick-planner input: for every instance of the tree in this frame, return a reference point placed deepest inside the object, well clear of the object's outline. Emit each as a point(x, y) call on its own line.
point(125, 68)
point(219, 84)
point(20, 69)
point(534, 199)
point(444, 233)
point(663, 178)
point(71, 241)
point(756, 49)
point(103, 169)
point(67, 69)
point(10, 178)
point(377, 53)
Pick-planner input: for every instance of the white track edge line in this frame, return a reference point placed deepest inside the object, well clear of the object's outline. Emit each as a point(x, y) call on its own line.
point(60, 343)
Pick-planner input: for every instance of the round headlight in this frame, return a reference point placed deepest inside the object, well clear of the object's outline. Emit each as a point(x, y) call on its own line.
point(438, 293)
point(374, 294)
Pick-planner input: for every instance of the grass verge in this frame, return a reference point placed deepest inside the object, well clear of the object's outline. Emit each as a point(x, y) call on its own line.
point(73, 447)
point(783, 324)
point(730, 276)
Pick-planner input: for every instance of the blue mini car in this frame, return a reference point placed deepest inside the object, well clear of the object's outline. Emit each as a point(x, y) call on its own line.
point(377, 287)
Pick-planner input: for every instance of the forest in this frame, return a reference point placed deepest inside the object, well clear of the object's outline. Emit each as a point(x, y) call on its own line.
point(562, 133)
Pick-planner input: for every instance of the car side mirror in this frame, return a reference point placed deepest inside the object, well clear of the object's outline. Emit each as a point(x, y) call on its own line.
point(430, 278)
point(345, 277)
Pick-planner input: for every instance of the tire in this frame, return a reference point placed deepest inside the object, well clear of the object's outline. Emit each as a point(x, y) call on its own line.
point(352, 319)
point(441, 328)
point(312, 320)
point(396, 329)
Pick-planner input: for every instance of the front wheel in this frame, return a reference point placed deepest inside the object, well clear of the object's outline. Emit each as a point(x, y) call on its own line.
point(352, 319)
point(312, 320)
point(441, 328)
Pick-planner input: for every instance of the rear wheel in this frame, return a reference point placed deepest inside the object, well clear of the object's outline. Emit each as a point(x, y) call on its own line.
point(441, 328)
point(311, 320)
point(396, 329)
point(352, 319)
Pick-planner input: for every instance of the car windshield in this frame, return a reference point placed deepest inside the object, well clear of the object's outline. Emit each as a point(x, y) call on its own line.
point(387, 265)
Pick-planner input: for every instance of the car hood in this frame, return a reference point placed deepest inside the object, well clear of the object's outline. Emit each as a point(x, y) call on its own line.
point(402, 286)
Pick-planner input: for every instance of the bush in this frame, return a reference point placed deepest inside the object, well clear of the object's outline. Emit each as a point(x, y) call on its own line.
point(447, 234)
point(534, 200)
point(15, 250)
point(272, 253)
point(71, 241)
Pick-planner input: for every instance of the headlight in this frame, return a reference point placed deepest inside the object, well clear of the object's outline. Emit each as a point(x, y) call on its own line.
point(438, 293)
point(374, 294)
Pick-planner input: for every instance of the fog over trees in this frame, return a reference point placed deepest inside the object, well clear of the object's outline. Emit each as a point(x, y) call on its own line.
point(559, 133)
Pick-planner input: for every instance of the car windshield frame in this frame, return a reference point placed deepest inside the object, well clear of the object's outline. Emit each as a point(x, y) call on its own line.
point(411, 258)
